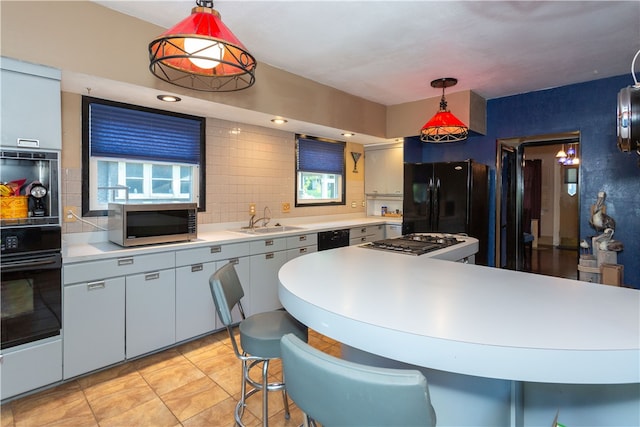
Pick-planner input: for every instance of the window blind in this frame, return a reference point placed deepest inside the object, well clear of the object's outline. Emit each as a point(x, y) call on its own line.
point(320, 156)
point(143, 135)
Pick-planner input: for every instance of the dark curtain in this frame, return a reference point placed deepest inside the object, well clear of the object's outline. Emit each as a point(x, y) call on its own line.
point(532, 196)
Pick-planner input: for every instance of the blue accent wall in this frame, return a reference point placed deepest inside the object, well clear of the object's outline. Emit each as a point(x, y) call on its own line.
point(586, 107)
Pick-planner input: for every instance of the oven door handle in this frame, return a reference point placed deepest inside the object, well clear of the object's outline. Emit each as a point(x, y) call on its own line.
point(50, 261)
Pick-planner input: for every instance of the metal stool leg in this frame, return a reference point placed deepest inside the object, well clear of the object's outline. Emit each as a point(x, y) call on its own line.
point(243, 391)
point(285, 399)
point(265, 393)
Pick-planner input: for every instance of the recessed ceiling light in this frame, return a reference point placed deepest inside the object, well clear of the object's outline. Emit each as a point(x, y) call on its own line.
point(169, 98)
point(279, 121)
point(348, 134)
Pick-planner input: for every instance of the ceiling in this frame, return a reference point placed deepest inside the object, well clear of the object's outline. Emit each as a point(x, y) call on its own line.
point(389, 51)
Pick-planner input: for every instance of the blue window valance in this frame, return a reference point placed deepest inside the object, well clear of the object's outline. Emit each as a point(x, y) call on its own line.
point(144, 135)
point(320, 156)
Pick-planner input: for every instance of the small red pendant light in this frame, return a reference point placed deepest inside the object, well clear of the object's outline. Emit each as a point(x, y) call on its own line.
point(444, 126)
point(201, 53)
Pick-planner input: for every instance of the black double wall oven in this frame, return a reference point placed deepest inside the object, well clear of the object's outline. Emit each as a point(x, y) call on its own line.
point(31, 267)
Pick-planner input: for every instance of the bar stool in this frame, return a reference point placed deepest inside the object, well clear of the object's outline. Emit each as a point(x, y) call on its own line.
point(260, 336)
point(337, 392)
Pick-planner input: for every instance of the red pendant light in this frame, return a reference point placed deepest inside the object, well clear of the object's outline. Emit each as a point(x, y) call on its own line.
point(444, 126)
point(201, 53)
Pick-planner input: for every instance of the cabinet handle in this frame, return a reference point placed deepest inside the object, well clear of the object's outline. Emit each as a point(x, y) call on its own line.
point(216, 249)
point(302, 238)
point(268, 242)
point(303, 250)
point(29, 143)
point(95, 285)
point(196, 267)
point(234, 261)
point(125, 261)
point(363, 230)
point(363, 239)
point(152, 276)
point(269, 255)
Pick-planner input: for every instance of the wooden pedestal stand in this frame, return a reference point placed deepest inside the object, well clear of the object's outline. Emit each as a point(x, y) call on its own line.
point(601, 267)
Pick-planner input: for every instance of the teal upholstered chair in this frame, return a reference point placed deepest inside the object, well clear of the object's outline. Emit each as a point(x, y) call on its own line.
point(259, 338)
point(337, 392)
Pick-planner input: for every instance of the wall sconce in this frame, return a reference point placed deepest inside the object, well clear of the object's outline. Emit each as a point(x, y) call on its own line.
point(356, 156)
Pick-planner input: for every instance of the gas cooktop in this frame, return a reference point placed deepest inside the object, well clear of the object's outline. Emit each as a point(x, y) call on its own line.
point(414, 244)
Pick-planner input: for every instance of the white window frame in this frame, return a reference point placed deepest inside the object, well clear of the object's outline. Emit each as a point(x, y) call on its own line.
point(326, 179)
point(147, 195)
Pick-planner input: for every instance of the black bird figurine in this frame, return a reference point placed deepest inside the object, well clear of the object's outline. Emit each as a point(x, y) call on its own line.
point(599, 219)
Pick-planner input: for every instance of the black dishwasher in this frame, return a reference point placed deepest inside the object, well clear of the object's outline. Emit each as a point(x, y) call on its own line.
point(333, 239)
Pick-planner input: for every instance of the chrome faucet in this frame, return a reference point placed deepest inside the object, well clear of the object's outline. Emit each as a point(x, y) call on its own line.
point(265, 218)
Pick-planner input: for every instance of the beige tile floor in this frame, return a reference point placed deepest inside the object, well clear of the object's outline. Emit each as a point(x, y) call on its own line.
point(194, 384)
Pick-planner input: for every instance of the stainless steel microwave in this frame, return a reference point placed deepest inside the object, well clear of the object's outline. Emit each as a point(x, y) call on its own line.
point(132, 224)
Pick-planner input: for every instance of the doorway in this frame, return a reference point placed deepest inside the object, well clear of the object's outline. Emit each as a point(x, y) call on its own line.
point(537, 203)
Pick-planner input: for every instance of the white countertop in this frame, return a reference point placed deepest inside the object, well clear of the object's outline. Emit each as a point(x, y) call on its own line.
point(81, 247)
point(467, 319)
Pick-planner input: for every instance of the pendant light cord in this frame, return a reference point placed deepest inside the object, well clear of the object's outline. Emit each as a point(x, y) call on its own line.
point(443, 102)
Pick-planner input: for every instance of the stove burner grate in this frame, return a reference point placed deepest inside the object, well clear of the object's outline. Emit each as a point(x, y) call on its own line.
point(414, 244)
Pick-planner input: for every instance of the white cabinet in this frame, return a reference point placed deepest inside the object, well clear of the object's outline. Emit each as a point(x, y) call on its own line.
point(120, 308)
point(383, 169)
point(150, 311)
point(364, 234)
point(116, 308)
point(301, 245)
point(393, 230)
point(264, 281)
point(93, 325)
point(195, 310)
point(30, 109)
point(268, 255)
point(27, 367)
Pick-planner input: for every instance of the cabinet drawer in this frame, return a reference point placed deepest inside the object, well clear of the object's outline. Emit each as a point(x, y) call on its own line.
point(302, 240)
point(360, 240)
point(29, 368)
point(360, 231)
point(303, 250)
point(121, 266)
point(268, 245)
point(211, 253)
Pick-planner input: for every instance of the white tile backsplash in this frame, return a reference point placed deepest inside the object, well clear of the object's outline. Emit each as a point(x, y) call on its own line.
point(256, 165)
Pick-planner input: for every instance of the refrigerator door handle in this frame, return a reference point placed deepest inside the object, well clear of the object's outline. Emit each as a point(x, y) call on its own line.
point(430, 204)
point(436, 206)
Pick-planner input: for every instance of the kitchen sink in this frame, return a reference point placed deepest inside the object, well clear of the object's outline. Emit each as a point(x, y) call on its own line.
point(268, 229)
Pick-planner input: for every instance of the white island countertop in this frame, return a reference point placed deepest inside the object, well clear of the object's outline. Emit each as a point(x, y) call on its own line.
point(467, 319)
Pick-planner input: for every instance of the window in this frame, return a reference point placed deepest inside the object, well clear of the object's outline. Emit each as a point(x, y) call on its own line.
point(320, 177)
point(141, 155)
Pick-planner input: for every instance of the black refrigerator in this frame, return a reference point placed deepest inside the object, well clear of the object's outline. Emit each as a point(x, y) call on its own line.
point(449, 197)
